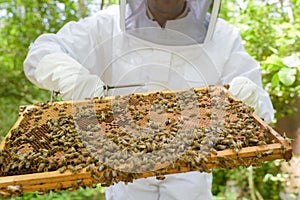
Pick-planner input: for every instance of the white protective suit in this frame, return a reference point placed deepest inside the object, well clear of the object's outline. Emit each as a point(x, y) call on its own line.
point(109, 48)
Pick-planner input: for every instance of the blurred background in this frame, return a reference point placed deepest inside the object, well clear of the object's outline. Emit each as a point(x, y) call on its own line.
point(271, 33)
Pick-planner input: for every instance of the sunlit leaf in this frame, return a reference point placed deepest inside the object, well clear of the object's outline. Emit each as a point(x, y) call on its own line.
point(287, 76)
point(292, 61)
point(275, 80)
point(274, 60)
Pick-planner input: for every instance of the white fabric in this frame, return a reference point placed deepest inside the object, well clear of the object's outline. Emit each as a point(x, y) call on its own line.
point(162, 67)
point(213, 20)
point(99, 45)
point(245, 90)
point(184, 186)
point(197, 17)
point(69, 77)
point(135, 4)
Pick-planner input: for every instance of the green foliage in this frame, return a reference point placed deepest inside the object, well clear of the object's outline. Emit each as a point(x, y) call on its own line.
point(265, 26)
point(271, 35)
point(21, 23)
point(17, 91)
point(80, 194)
point(267, 179)
point(282, 80)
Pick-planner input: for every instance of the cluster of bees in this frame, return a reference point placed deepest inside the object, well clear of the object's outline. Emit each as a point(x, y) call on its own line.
point(122, 138)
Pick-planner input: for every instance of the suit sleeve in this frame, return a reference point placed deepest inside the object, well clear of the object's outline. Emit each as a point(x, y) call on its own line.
point(240, 64)
point(75, 39)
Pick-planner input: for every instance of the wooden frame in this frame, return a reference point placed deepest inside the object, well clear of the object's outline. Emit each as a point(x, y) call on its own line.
point(55, 180)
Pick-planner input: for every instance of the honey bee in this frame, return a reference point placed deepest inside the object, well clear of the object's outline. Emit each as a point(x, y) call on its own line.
point(62, 169)
point(160, 177)
point(41, 167)
point(268, 153)
point(14, 189)
point(214, 151)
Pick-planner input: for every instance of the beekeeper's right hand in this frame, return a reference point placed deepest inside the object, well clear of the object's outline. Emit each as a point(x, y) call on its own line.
point(60, 72)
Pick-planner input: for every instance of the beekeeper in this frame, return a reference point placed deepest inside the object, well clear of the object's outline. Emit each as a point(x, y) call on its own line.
point(165, 45)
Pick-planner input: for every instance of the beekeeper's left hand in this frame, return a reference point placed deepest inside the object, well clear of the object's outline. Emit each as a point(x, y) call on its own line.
point(245, 90)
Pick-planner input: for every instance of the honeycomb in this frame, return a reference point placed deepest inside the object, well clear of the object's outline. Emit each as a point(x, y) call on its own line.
point(127, 137)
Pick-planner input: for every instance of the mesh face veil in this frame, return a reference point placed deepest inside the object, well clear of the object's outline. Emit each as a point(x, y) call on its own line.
point(201, 8)
point(135, 4)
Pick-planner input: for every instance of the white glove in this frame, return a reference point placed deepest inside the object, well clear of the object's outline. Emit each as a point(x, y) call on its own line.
point(245, 90)
point(60, 72)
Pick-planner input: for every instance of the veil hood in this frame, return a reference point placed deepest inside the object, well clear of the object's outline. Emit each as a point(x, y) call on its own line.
point(200, 8)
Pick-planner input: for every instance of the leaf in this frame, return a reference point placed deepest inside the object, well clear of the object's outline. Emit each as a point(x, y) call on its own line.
point(275, 80)
point(287, 76)
point(292, 60)
point(273, 62)
point(273, 67)
point(274, 50)
point(273, 59)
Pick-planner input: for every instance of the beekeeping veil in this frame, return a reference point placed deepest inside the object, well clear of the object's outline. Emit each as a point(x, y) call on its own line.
point(202, 23)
